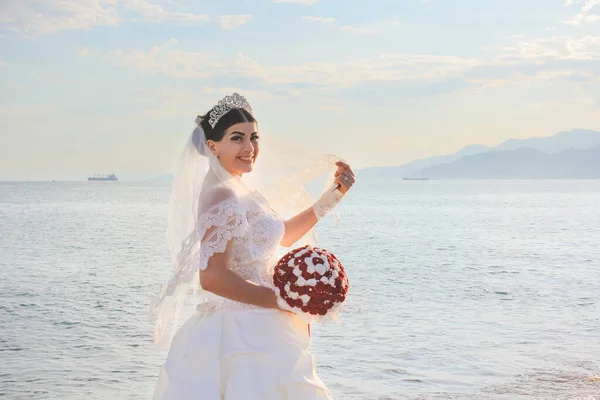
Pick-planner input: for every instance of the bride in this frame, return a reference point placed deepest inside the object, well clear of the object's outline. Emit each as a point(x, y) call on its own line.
point(225, 237)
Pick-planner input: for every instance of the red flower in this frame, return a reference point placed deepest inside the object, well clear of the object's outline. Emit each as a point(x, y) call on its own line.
point(311, 297)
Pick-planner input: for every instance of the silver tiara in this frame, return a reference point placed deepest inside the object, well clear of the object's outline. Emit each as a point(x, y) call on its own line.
point(225, 105)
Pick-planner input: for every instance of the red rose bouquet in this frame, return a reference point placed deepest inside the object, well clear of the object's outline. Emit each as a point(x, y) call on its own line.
point(311, 282)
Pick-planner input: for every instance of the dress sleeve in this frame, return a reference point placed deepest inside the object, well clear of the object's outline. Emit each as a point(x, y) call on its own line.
point(218, 225)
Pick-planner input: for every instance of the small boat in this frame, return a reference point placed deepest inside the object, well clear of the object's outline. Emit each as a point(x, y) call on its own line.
point(414, 179)
point(111, 177)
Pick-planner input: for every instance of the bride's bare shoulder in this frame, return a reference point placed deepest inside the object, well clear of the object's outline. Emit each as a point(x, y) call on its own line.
point(217, 194)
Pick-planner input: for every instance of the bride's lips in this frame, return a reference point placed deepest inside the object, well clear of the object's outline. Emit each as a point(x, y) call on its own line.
point(247, 160)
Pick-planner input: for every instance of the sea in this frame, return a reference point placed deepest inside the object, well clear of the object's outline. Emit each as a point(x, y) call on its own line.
point(459, 290)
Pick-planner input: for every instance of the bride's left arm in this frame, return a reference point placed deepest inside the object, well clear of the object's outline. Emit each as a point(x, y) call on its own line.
point(299, 225)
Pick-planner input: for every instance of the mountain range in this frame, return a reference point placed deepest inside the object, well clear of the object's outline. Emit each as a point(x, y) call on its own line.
point(567, 155)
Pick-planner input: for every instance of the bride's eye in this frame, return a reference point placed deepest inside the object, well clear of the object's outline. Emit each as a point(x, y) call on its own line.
point(236, 138)
point(255, 137)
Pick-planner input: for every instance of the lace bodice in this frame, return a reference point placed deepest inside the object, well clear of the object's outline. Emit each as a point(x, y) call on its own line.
point(256, 231)
point(253, 253)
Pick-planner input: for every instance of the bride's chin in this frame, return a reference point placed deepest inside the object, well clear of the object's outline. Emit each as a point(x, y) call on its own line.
point(245, 170)
point(245, 166)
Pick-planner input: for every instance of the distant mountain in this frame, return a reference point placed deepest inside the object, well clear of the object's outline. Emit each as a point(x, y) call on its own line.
point(522, 163)
point(410, 168)
point(427, 162)
point(576, 139)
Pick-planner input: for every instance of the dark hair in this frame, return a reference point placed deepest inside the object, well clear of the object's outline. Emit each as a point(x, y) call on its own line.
point(232, 117)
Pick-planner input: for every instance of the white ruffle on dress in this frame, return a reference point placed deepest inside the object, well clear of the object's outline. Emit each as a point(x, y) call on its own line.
point(238, 351)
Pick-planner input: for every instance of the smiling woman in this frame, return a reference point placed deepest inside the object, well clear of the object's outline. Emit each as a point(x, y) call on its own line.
point(225, 238)
point(233, 140)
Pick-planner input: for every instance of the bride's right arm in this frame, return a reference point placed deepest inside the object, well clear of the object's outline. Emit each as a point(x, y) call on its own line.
point(220, 280)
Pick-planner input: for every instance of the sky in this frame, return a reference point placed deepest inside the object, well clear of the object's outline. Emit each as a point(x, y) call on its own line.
point(99, 86)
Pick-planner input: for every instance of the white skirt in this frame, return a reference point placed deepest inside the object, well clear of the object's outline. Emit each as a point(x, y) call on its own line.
point(247, 354)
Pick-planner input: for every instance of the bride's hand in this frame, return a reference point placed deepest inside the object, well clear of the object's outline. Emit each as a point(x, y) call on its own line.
point(275, 305)
point(272, 302)
point(344, 177)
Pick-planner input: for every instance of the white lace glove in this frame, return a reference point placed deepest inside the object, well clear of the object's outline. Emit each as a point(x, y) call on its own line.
point(327, 202)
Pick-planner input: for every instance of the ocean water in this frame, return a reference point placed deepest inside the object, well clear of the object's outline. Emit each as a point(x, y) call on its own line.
point(460, 290)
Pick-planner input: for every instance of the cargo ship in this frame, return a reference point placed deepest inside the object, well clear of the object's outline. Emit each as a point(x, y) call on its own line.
point(111, 177)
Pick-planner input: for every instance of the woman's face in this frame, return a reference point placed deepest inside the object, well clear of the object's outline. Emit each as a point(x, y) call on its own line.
point(238, 149)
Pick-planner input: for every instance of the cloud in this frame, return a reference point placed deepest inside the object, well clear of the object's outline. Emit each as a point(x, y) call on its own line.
point(233, 21)
point(164, 59)
point(84, 52)
point(554, 59)
point(180, 64)
point(48, 16)
point(3, 63)
point(563, 59)
point(585, 15)
point(155, 13)
point(166, 101)
point(320, 20)
point(554, 48)
point(307, 2)
point(374, 27)
point(579, 77)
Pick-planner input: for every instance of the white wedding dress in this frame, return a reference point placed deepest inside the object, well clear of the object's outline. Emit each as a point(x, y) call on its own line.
point(236, 351)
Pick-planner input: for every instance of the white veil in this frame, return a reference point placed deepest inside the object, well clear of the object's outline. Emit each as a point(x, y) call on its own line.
point(284, 175)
